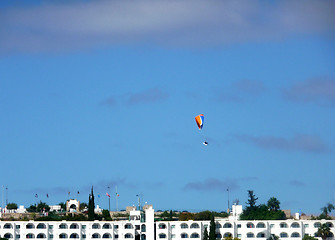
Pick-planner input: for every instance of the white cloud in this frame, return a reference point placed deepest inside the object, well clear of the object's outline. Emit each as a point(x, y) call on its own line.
point(72, 25)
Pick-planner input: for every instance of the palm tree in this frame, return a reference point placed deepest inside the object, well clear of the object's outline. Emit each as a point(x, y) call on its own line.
point(273, 204)
point(273, 237)
point(324, 231)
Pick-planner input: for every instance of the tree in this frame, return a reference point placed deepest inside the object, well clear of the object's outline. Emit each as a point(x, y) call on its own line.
point(205, 237)
point(106, 215)
point(83, 205)
point(273, 237)
point(62, 206)
point(212, 234)
point(326, 210)
point(251, 200)
point(42, 206)
point(32, 208)
point(324, 231)
point(11, 206)
point(91, 206)
point(273, 204)
point(308, 237)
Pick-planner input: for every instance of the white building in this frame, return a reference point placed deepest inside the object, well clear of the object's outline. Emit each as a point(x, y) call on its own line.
point(141, 226)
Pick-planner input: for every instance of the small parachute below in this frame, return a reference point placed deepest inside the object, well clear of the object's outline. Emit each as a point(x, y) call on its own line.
point(205, 143)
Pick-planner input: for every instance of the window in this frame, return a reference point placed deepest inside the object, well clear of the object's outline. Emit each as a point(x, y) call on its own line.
point(51, 226)
point(106, 226)
point(116, 235)
point(250, 225)
point(41, 235)
point(184, 235)
point(306, 225)
point(295, 225)
point(51, 236)
point(250, 235)
point(96, 226)
point(260, 225)
point(63, 226)
point(17, 226)
point(261, 235)
point(173, 235)
point(74, 226)
point(162, 226)
point(162, 235)
point(239, 226)
point(227, 225)
point(116, 226)
point(295, 235)
point(272, 225)
point(227, 235)
point(143, 228)
point(194, 225)
point(218, 235)
point(17, 236)
point(8, 235)
point(95, 235)
point(173, 226)
point(83, 236)
point(30, 226)
point(195, 235)
point(283, 235)
point(128, 226)
point(128, 235)
point(8, 226)
point(283, 225)
point(83, 226)
point(107, 235)
point(63, 235)
point(137, 227)
point(30, 235)
point(184, 225)
point(239, 235)
point(41, 226)
point(74, 235)
point(218, 225)
point(317, 225)
point(329, 224)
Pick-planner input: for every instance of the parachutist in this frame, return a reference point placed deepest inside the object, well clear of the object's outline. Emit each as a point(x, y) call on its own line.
point(205, 143)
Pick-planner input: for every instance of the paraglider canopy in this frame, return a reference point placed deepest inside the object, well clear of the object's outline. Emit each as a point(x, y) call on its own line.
point(200, 121)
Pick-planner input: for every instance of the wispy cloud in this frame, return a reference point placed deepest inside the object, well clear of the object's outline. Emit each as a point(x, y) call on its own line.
point(151, 95)
point(148, 96)
point(241, 91)
point(214, 184)
point(74, 24)
point(297, 183)
point(299, 142)
point(318, 90)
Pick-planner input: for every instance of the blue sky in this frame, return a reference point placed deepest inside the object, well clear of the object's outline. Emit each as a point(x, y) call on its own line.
point(104, 94)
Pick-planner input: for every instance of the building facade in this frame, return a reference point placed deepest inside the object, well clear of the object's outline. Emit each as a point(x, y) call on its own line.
point(141, 226)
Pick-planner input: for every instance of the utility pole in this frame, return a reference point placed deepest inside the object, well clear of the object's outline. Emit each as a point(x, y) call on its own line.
point(6, 195)
point(228, 199)
point(117, 195)
point(109, 199)
point(139, 201)
point(2, 200)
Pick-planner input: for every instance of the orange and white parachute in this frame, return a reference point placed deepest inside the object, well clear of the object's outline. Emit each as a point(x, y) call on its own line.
point(200, 121)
